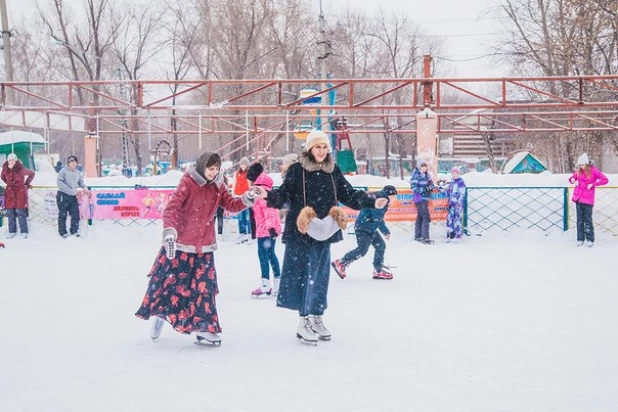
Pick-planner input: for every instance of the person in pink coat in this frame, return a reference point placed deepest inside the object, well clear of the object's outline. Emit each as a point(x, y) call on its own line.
point(586, 178)
point(267, 229)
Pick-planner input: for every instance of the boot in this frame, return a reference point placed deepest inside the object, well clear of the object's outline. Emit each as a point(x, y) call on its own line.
point(382, 274)
point(263, 290)
point(305, 333)
point(276, 282)
point(339, 267)
point(207, 337)
point(318, 327)
point(156, 328)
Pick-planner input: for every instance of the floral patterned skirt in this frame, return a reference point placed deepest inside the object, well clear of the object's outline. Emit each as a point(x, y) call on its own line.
point(183, 291)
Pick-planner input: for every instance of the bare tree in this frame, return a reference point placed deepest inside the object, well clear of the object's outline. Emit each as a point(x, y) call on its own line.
point(135, 47)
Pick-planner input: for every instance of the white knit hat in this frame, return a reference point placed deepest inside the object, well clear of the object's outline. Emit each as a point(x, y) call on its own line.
point(316, 137)
point(12, 156)
point(583, 159)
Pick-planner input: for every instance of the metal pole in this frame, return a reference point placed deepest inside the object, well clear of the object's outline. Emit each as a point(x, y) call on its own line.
point(200, 130)
point(287, 131)
point(6, 44)
point(325, 127)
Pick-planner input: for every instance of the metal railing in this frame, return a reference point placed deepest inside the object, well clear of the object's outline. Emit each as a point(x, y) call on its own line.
point(485, 208)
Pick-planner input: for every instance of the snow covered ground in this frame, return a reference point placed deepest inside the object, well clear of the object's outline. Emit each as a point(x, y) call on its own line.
point(502, 322)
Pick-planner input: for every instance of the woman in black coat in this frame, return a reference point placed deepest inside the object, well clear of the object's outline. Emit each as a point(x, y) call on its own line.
point(315, 181)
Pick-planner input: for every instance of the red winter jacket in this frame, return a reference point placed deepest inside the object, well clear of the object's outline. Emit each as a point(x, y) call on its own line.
point(16, 192)
point(190, 211)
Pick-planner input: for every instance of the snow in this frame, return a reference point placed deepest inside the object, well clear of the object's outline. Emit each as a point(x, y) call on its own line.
point(500, 322)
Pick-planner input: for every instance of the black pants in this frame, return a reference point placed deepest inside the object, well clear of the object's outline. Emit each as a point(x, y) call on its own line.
point(423, 219)
point(363, 240)
point(219, 218)
point(67, 204)
point(585, 228)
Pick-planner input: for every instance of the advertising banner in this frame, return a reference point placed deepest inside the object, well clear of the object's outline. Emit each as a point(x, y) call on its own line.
point(126, 204)
point(403, 209)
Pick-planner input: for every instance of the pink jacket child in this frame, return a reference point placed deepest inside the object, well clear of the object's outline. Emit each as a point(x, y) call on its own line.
point(267, 229)
point(266, 218)
point(585, 183)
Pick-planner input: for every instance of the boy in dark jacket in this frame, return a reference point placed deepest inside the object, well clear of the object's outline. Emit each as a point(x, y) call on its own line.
point(367, 225)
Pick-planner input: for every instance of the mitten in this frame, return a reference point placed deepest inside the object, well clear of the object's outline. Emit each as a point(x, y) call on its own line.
point(340, 217)
point(272, 232)
point(170, 246)
point(304, 219)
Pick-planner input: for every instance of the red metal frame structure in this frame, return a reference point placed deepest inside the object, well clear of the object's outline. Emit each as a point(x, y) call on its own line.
point(264, 107)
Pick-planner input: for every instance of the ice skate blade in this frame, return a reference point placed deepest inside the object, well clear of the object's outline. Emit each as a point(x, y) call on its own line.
point(306, 342)
point(206, 342)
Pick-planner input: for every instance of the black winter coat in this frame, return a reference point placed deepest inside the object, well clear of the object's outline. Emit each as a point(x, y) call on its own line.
point(324, 186)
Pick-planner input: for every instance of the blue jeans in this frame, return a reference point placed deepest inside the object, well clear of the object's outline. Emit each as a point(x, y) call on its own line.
point(268, 258)
point(364, 240)
point(17, 214)
point(244, 227)
point(585, 228)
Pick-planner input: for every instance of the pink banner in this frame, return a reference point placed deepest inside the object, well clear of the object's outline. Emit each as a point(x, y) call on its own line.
point(127, 204)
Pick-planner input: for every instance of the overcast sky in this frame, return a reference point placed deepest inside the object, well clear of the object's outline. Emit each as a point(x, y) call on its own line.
point(465, 26)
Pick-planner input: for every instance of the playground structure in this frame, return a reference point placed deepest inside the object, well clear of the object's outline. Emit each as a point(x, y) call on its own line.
point(265, 110)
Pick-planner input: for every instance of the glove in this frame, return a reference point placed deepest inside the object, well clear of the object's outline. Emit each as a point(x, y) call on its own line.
point(170, 246)
point(29, 186)
point(255, 192)
point(590, 186)
point(272, 232)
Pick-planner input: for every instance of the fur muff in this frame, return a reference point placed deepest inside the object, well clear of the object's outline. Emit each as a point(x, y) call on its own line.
point(339, 215)
point(304, 219)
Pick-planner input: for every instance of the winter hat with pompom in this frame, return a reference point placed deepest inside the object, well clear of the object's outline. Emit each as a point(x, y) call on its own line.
point(583, 159)
point(456, 170)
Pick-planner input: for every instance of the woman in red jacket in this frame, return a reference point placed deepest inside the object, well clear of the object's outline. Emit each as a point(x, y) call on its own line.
point(17, 179)
point(183, 279)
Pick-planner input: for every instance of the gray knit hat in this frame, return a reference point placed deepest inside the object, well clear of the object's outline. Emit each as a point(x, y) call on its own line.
point(202, 163)
point(288, 159)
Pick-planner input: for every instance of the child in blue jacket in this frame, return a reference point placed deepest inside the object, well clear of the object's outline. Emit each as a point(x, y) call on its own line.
point(366, 227)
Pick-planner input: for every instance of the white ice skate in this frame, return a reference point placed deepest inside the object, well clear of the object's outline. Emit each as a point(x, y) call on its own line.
point(156, 327)
point(305, 333)
point(263, 291)
point(589, 243)
point(318, 327)
point(580, 243)
point(276, 282)
point(207, 338)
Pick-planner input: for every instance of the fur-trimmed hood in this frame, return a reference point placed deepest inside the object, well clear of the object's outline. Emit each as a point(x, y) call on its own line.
point(306, 161)
point(218, 180)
